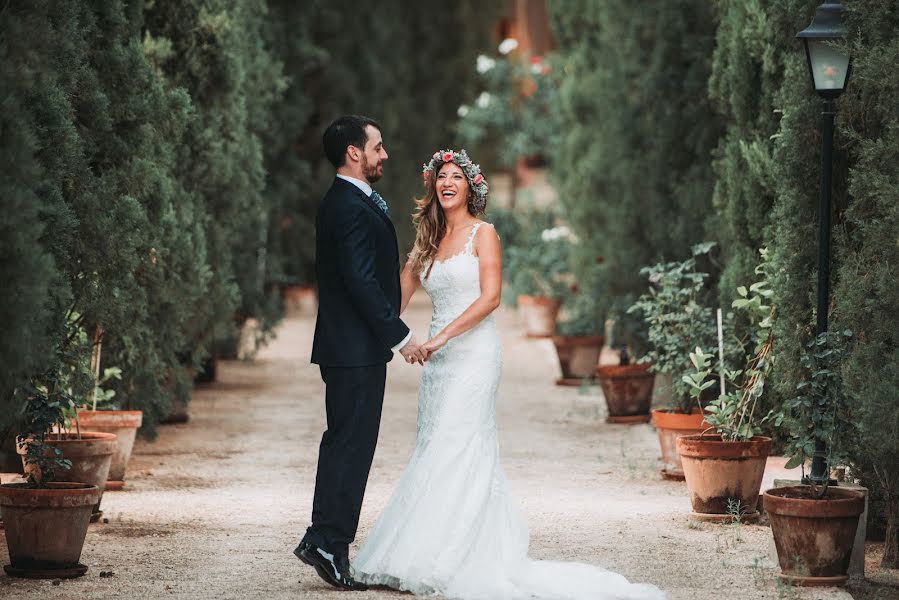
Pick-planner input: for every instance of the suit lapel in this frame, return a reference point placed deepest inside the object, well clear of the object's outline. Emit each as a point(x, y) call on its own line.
point(370, 204)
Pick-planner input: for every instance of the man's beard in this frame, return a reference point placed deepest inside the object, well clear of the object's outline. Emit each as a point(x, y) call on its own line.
point(371, 172)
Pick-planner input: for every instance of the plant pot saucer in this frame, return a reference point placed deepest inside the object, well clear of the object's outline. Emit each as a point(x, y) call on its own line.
point(724, 517)
point(96, 516)
point(628, 419)
point(65, 573)
point(575, 381)
point(114, 486)
point(809, 581)
point(672, 475)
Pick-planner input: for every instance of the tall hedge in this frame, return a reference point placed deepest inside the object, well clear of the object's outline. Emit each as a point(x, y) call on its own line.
point(634, 170)
point(751, 46)
point(214, 50)
point(865, 291)
point(33, 280)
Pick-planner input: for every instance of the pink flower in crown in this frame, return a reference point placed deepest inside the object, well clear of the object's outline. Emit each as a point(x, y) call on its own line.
point(478, 179)
point(425, 175)
point(447, 156)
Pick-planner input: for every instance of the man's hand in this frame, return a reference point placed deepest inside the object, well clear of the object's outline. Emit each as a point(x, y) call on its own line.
point(413, 352)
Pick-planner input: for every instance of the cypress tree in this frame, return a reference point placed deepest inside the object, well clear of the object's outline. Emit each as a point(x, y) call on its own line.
point(747, 71)
point(34, 284)
point(865, 294)
point(215, 54)
point(634, 169)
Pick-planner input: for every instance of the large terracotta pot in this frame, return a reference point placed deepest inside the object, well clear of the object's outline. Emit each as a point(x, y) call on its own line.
point(46, 527)
point(538, 315)
point(91, 457)
point(718, 471)
point(124, 424)
point(578, 357)
point(670, 425)
point(814, 538)
point(628, 392)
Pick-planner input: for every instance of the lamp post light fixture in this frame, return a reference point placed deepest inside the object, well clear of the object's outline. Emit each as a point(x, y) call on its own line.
point(829, 69)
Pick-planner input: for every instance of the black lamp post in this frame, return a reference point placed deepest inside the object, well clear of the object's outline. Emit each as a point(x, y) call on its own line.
point(829, 68)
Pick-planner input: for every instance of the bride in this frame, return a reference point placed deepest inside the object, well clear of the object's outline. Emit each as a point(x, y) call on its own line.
point(451, 527)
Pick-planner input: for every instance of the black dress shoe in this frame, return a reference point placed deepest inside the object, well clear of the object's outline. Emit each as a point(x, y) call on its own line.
point(335, 570)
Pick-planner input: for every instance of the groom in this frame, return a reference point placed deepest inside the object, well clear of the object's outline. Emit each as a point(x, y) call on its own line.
point(357, 329)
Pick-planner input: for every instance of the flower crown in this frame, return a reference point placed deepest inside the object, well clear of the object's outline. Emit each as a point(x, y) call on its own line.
point(476, 180)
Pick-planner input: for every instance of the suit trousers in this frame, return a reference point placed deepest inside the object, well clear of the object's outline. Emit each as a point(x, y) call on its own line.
point(353, 400)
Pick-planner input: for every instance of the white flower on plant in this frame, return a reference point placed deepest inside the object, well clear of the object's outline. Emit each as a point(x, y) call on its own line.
point(483, 100)
point(462, 110)
point(558, 233)
point(507, 45)
point(484, 64)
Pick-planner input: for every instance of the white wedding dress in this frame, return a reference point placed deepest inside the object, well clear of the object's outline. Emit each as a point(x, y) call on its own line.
point(451, 527)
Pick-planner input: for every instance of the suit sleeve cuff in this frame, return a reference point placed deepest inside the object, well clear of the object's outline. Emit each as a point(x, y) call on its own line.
point(403, 343)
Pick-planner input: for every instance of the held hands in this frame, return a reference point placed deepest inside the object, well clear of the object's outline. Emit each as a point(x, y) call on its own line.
point(413, 352)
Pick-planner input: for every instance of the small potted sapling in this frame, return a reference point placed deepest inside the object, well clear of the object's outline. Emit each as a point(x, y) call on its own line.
point(724, 464)
point(677, 322)
point(46, 520)
point(88, 452)
point(577, 339)
point(539, 277)
point(102, 413)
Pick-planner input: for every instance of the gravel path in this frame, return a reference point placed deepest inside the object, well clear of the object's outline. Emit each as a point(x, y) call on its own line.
point(213, 508)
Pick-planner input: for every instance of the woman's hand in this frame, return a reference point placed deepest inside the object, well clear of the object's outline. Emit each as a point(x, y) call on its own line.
point(434, 344)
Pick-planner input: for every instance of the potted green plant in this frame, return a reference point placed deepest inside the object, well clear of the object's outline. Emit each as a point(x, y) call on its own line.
point(103, 413)
point(540, 277)
point(814, 526)
point(46, 520)
point(577, 338)
point(724, 470)
point(88, 453)
point(677, 322)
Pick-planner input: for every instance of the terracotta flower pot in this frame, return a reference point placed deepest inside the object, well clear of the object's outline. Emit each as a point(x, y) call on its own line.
point(628, 392)
point(45, 528)
point(91, 457)
point(300, 299)
point(718, 471)
point(124, 424)
point(670, 425)
point(578, 357)
point(814, 538)
point(538, 315)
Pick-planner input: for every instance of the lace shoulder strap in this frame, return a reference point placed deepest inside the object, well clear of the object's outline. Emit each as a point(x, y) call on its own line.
point(469, 245)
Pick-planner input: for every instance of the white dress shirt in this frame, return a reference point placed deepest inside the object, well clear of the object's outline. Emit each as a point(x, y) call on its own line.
point(366, 189)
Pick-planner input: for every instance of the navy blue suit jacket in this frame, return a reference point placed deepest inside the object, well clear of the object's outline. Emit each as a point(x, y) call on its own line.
point(357, 268)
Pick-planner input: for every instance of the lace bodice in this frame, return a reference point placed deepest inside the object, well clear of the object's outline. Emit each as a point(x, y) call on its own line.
point(453, 284)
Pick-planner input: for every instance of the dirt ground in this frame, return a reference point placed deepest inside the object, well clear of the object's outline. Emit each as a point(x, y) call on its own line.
point(214, 507)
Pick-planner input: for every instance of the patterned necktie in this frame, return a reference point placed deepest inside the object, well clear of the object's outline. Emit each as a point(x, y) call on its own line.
point(376, 198)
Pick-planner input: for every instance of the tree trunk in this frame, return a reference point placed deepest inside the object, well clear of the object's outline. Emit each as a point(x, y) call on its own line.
point(891, 543)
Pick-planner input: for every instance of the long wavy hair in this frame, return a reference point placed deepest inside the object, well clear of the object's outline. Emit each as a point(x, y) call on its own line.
point(430, 225)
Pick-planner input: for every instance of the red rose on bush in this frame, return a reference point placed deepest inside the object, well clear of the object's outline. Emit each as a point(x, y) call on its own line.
point(447, 156)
